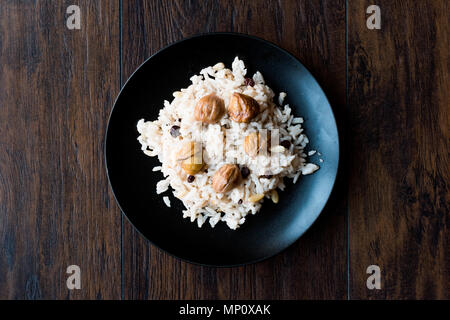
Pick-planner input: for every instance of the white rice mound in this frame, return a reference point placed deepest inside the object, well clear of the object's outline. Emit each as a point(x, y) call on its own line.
point(222, 143)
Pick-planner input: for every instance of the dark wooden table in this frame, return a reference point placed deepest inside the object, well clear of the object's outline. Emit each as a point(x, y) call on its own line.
point(389, 89)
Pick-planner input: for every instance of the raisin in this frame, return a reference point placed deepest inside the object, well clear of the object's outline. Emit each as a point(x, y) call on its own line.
point(245, 172)
point(190, 179)
point(175, 131)
point(240, 201)
point(285, 144)
point(249, 82)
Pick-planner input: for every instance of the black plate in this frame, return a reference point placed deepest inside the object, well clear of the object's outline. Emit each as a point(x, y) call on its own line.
point(130, 174)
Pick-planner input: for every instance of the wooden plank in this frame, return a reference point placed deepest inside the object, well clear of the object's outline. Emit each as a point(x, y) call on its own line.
point(315, 266)
point(56, 91)
point(399, 196)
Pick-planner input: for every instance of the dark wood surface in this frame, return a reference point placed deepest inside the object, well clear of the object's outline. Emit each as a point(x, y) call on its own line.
point(389, 90)
point(399, 168)
point(57, 88)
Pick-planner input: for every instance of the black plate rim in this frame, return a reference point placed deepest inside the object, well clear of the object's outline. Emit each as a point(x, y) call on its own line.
point(250, 262)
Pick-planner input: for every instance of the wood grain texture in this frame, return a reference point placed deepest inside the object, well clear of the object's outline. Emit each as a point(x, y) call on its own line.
point(315, 266)
point(399, 106)
point(56, 91)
